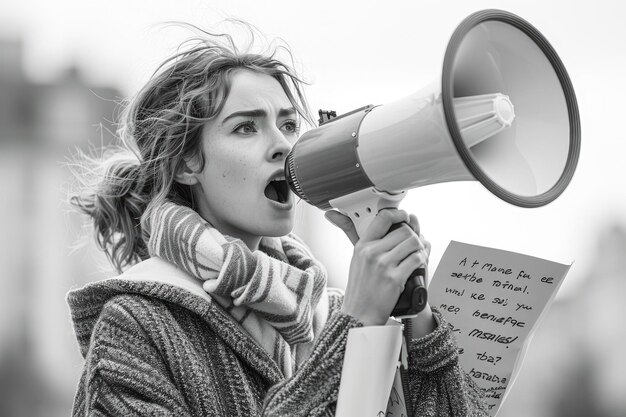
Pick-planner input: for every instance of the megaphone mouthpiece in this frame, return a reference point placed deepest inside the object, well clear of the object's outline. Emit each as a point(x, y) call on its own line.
point(480, 117)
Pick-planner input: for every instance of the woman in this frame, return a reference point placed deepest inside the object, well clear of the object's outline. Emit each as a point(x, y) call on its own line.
point(224, 312)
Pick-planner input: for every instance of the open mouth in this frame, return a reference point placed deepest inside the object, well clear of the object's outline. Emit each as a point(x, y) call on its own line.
point(277, 190)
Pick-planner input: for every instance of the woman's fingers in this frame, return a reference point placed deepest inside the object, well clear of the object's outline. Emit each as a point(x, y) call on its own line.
point(397, 245)
point(414, 223)
point(411, 263)
point(382, 223)
point(405, 248)
point(401, 242)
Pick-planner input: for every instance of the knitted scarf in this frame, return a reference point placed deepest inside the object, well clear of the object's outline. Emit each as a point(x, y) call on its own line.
point(272, 292)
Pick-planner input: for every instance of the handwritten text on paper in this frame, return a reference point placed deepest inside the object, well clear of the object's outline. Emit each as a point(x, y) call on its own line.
point(493, 300)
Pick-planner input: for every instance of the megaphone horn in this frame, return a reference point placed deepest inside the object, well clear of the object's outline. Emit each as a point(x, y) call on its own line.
point(503, 113)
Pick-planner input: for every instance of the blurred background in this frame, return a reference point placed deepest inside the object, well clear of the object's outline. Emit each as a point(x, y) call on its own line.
point(64, 66)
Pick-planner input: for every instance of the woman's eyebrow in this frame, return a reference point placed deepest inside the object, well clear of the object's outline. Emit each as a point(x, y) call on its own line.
point(259, 113)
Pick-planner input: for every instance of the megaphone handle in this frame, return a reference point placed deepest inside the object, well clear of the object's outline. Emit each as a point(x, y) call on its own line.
point(362, 207)
point(414, 296)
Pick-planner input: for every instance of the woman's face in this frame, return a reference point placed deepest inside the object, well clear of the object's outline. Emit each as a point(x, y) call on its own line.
point(242, 189)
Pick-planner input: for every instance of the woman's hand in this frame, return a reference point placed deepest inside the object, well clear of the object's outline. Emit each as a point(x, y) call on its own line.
point(381, 263)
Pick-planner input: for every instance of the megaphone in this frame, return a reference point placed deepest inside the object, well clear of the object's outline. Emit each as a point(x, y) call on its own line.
point(503, 112)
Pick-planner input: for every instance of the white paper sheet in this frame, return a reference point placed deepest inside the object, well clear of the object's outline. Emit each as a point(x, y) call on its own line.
point(494, 300)
point(369, 369)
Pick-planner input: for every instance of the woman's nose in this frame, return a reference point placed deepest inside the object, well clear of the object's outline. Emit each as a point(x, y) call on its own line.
point(281, 146)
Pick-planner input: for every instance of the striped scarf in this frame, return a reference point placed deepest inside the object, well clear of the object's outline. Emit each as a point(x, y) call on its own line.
point(272, 292)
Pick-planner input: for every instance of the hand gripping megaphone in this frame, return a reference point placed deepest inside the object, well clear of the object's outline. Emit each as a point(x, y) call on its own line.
point(503, 113)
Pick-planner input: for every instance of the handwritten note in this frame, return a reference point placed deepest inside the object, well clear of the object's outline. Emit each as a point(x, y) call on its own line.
point(494, 300)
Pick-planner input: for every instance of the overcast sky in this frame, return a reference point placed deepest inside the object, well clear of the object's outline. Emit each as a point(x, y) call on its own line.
point(373, 52)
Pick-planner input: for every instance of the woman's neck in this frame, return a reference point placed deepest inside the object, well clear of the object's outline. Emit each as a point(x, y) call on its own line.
point(251, 242)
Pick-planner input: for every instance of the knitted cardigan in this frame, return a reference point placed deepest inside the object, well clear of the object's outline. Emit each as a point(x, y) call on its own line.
point(155, 348)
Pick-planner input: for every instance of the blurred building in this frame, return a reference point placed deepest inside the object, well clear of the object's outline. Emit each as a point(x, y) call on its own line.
point(600, 334)
point(40, 126)
point(575, 366)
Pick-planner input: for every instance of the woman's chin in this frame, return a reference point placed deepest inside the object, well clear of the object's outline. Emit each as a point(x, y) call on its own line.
point(284, 230)
point(281, 227)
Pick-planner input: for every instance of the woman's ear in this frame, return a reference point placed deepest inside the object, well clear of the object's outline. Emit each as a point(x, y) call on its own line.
point(184, 174)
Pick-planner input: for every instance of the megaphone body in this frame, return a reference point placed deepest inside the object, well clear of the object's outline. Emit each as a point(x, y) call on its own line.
point(503, 112)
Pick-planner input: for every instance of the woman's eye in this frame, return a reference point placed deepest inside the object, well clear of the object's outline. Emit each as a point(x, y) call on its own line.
point(246, 128)
point(291, 126)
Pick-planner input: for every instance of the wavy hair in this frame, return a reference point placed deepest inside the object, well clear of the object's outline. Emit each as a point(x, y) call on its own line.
point(161, 127)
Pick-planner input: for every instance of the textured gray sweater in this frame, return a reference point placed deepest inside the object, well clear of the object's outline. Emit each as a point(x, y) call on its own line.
point(152, 348)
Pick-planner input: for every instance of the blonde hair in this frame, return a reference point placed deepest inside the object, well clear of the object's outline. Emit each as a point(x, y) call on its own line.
point(161, 126)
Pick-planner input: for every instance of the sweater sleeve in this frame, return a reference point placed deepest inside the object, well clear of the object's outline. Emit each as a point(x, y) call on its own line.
point(439, 387)
point(123, 373)
point(313, 389)
point(438, 384)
